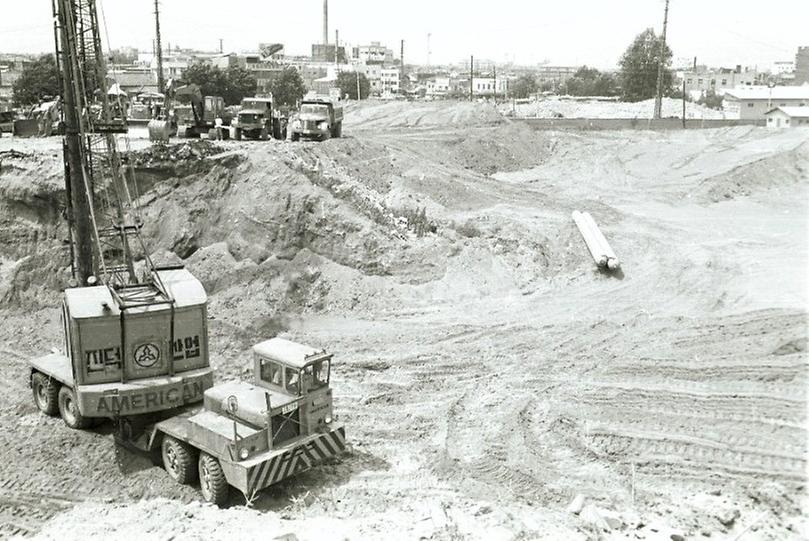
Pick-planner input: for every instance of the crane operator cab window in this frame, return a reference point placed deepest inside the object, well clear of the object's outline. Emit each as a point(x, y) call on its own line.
point(271, 372)
point(316, 375)
point(292, 380)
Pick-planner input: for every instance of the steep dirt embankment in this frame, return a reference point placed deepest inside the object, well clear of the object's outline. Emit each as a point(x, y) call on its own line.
point(32, 228)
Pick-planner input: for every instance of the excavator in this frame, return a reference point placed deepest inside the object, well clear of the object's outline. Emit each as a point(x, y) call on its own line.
point(187, 113)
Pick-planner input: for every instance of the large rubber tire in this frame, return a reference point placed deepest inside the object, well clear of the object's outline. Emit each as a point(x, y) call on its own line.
point(264, 135)
point(179, 460)
point(69, 410)
point(338, 130)
point(212, 482)
point(237, 134)
point(295, 136)
point(46, 393)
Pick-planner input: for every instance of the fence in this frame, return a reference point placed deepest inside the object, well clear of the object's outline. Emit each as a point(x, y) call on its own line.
point(632, 123)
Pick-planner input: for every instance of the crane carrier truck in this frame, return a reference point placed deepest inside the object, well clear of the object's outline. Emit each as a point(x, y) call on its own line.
point(135, 346)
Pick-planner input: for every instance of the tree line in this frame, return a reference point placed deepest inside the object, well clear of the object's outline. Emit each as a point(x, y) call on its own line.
point(636, 79)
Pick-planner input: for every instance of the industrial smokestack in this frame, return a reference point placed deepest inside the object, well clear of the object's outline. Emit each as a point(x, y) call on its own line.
point(325, 22)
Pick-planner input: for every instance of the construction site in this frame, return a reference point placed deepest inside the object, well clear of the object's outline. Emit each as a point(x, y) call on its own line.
point(399, 320)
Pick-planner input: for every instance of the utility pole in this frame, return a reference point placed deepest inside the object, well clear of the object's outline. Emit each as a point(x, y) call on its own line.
point(494, 69)
point(401, 74)
point(336, 45)
point(161, 85)
point(683, 103)
point(660, 64)
point(221, 49)
point(472, 78)
point(358, 85)
point(429, 50)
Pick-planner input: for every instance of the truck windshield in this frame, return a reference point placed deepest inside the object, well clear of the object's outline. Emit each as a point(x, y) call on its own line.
point(317, 374)
point(253, 104)
point(315, 109)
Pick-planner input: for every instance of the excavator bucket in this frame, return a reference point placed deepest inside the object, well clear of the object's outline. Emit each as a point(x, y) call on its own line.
point(159, 131)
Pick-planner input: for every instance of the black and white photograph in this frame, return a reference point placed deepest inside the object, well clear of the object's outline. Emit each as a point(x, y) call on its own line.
point(359, 270)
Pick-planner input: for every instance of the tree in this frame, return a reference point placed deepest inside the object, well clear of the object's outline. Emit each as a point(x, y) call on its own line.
point(711, 99)
point(288, 89)
point(524, 87)
point(232, 84)
point(347, 83)
point(123, 56)
point(38, 80)
point(211, 80)
point(240, 83)
point(639, 67)
point(589, 82)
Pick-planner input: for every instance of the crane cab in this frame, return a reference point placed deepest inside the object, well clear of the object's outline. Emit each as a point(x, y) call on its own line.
point(147, 355)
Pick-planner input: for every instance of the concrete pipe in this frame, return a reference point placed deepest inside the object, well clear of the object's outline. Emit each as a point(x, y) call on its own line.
point(597, 244)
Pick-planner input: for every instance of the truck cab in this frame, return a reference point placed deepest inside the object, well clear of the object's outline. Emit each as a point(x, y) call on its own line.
point(257, 119)
point(250, 435)
point(318, 119)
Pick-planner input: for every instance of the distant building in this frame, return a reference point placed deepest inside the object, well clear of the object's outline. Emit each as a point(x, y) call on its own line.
point(487, 86)
point(134, 81)
point(390, 80)
point(754, 102)
point(438, 86)
point(802, 66)
point(555, 75)
point(328, 53)
point(372, 72)
point(787, 117)
point(715, 80)
point(375, 53)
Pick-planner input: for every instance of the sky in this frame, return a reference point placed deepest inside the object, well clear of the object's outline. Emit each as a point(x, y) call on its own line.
point(568, 32)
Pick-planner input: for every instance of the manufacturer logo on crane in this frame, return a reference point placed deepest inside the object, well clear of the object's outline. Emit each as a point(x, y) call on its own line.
point(147, 355)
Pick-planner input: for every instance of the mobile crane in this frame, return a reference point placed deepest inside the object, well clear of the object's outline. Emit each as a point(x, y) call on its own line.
point(135, 335)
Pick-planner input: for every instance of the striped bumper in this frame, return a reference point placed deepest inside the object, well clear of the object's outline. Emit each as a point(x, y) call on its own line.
point(297, 459)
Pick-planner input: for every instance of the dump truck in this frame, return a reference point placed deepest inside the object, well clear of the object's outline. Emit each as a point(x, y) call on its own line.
point(317, 119)
point(252, 435)
point(258, 119)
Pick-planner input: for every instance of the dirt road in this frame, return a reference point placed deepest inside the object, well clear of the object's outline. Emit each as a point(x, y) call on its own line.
point(488, 373)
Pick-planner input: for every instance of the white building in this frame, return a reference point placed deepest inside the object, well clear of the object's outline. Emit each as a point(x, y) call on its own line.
point(389, 80)
point(373, 53)
point(755, 101)
point(439, 86)
point(787, 117)
point(373, 72)
point(485, 86)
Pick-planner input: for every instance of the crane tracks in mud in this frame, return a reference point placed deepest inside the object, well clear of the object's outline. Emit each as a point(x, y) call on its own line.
point(23, 508)
point(699, 456)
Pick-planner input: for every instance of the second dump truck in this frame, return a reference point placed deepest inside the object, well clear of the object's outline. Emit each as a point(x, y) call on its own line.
point(317, 119)
point(257, 119)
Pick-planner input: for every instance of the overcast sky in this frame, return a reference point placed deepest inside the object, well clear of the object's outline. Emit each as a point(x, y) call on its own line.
point(566, 32)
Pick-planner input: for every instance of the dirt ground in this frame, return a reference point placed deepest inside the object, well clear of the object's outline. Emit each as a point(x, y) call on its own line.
point(488, 374)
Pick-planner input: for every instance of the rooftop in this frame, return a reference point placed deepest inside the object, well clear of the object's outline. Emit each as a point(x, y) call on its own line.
point(794, 112)
point(766, 93)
